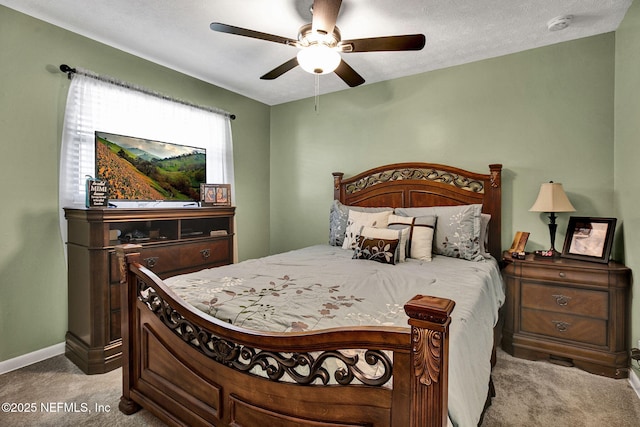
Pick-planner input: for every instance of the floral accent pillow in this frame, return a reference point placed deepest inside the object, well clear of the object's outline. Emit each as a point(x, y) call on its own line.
point(338, 217)
point(402, 235)
point(374, 249)
point(357, 220)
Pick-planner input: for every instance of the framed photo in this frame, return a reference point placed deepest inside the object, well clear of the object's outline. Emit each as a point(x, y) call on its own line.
point(589, 239)
point(519, 242)
point(215, 194)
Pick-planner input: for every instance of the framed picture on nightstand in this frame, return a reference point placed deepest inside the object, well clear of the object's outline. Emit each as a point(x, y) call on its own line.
point(519, 242)
point(589, 239)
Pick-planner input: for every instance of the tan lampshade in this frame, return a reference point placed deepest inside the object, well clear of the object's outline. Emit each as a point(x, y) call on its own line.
point(552, 198)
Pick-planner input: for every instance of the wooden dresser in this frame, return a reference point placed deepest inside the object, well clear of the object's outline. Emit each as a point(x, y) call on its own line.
point(174, 240)
point(569, 312)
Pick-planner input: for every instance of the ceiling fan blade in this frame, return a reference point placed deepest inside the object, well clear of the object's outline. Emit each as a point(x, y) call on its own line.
point(230, 29)
point(348, 74)
point(325, 15)
point(280, 70)
point(390, 43)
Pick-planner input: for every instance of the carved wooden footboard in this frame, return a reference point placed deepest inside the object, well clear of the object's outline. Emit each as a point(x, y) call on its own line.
point(191, 369)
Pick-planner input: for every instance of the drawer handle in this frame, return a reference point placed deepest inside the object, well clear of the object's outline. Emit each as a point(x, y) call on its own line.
point(562, 274)
point(151, 261)
point(561, 326)
point(206, 253)
point(562, 300)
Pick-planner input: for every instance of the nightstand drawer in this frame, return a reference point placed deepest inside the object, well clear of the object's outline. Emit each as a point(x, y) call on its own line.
point(565, 300)
point(565, 326)
point(559, 274)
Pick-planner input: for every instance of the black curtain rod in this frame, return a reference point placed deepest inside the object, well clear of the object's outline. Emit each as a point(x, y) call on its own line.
point(71, 71)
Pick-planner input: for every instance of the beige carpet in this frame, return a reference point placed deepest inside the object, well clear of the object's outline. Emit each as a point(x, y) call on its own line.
point(92, 400)
point(529, 394)
point(542, 394)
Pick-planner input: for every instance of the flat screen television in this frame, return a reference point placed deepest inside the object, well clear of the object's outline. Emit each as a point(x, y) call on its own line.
point(143, 169)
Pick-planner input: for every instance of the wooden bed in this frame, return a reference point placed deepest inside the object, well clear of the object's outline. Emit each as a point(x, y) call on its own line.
point(188, 368)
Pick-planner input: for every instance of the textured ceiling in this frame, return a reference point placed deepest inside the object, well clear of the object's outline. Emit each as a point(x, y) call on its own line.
point(176, 34)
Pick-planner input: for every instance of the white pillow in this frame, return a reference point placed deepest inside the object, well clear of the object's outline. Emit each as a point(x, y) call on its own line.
point(357, 220)
point(420, 242)
point(338, 216)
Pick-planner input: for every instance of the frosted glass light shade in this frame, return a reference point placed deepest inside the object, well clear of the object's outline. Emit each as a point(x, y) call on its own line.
point(318, 59)
point(552, 198)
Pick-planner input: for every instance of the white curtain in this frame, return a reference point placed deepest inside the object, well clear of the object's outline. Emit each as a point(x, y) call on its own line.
point(95, 104)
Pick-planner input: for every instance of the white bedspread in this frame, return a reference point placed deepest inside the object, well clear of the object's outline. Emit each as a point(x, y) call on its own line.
point(321, 286)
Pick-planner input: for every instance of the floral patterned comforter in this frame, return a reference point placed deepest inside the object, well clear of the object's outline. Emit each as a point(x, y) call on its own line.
point(322, 286)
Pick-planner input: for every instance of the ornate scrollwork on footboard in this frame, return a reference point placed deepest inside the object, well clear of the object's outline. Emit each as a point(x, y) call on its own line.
point(302, 368)
point(424, 174)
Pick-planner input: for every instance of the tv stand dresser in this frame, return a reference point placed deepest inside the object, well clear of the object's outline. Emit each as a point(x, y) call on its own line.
point(174, 241)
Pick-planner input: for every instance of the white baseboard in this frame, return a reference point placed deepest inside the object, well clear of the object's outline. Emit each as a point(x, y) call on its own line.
point(31, 358)
point(634, 380)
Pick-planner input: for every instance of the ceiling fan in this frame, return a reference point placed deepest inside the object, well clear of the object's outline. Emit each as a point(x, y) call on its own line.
point(320, 44)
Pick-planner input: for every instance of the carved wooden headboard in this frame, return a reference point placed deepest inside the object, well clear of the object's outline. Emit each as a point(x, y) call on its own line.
point(426, 184)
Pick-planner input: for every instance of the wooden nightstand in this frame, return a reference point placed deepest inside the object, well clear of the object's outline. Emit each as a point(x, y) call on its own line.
point(569, 312)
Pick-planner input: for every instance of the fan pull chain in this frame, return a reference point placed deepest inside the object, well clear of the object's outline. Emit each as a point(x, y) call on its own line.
point(317, 94)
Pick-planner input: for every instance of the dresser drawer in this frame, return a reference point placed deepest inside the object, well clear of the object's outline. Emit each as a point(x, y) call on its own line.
point(566, 275)
point(203, 253)
point(565, 326)
point(168, 259)
point(159, 259)
point(565, 300)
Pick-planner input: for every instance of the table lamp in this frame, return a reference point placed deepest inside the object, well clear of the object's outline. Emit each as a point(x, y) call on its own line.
point(552, 199)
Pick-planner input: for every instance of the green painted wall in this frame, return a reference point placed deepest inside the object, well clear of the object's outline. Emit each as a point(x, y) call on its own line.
point(545, 114)
point(627, 150)
point(33, 289)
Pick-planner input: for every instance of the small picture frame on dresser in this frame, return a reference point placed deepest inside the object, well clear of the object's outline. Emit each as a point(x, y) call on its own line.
point(589, 239)
point(519, 242)
point(215, 194)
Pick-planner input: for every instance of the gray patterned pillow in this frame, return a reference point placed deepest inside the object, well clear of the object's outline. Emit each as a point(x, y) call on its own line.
point(338, 216)
point(457, 229)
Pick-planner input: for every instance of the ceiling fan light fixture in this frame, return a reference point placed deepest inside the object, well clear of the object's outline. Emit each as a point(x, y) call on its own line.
point(318, 59)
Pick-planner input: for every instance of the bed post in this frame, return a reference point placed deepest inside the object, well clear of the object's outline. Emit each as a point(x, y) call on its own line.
point(429, 318)
point(493, 197)
point(127, 254)
point(337, 187)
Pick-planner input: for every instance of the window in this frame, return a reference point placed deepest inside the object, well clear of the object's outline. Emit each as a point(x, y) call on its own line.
point(97, 103)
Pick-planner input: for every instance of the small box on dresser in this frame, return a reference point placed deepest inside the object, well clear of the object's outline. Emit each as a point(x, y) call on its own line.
point(569, 312)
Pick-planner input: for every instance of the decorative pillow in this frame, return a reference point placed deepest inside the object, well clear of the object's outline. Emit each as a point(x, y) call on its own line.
point(374, 249)
point(484, 235)
point(402, 235)
point(421, 229)
point(357, 220)
point(338, 216)
point(457, 229)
